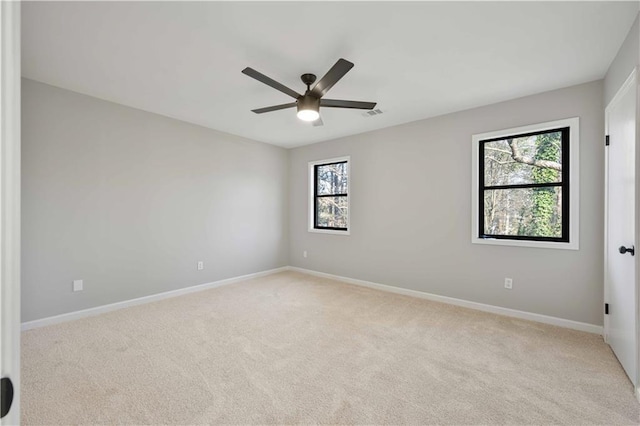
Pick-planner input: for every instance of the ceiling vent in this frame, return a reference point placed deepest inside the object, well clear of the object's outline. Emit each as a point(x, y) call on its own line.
point(372, 112)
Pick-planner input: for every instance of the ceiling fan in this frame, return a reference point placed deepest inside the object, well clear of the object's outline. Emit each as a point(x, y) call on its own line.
point(309, 104)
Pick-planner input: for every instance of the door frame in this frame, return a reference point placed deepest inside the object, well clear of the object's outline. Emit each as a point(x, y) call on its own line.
point(629, 82)
point(10, 202)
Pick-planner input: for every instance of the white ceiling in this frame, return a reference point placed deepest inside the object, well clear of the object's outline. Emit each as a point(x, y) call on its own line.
point(417, 60)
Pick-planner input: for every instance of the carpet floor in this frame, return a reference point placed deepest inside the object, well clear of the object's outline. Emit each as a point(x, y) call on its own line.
point(290, 348)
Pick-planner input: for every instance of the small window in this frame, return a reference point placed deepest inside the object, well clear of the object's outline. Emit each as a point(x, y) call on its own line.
point(329, 204)
point(525, 188)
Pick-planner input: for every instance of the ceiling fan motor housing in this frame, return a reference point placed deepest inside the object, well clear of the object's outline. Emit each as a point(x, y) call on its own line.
point(308, 102)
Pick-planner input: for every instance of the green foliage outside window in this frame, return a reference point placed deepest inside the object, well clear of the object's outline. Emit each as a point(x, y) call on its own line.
point(514, 202)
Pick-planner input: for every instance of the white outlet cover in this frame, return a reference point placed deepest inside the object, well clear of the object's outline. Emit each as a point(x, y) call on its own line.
point(78, 285)
point(200, 266)
point(508, 283)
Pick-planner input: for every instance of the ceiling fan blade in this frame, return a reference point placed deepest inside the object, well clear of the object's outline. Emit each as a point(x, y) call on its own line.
point(337, 103)
point(270, 82)
point(337, 71)
point(273, 108)
point(318, 122)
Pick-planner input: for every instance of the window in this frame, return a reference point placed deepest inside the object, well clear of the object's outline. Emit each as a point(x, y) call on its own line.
point(329, 196)
point(525, 186)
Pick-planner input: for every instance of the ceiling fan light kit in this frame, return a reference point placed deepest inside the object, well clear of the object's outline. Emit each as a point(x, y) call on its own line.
point(308, 105)
point(308, 108)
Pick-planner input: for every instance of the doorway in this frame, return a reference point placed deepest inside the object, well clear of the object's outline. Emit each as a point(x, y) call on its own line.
point(621, 295)
point(10, 212)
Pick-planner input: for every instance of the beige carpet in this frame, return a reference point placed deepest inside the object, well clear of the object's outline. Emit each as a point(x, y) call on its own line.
point(291, 348)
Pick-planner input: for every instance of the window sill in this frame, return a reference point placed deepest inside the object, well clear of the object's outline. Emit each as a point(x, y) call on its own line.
point(533, 244)
point(329, 231)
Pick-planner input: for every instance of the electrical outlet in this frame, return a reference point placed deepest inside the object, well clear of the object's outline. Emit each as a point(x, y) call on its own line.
point(78, 285)
point(508, 283)
point(304, 253)
point(200, 266)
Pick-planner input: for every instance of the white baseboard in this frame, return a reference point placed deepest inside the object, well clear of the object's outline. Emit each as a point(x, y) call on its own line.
point(141, 300)
point(561, 322)
point(575, 325)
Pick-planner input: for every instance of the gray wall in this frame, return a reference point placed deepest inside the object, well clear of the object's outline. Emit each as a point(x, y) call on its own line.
point(411, 211)
point(626, 59)
point(129, 201)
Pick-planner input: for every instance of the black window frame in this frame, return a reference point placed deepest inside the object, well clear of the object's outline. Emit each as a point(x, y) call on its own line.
point(564, 185)
point(316, 196)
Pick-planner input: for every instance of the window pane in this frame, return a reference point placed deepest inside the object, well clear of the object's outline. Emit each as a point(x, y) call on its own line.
point(332, 178)
point(532, 212)
point(522, 160)
point(331, 212)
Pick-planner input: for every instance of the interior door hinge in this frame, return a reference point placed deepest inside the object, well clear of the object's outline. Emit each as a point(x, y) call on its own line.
point(606, 309)
point(606, 140)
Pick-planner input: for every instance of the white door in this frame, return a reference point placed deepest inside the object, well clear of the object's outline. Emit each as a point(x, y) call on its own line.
point(10, 211)
point(620, 262)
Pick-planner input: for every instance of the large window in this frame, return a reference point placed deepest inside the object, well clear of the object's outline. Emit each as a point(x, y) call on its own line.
point(524, 186)
point(329, 206)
